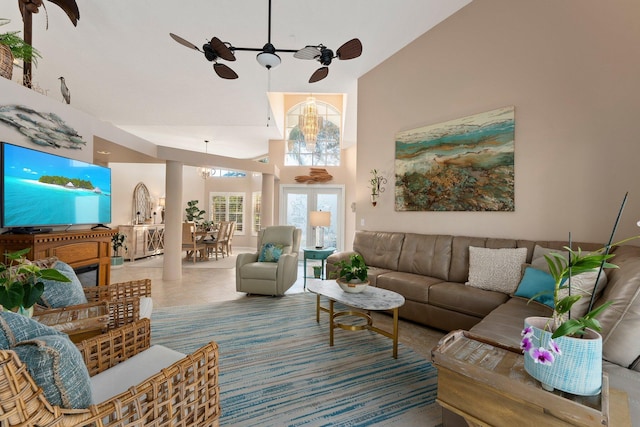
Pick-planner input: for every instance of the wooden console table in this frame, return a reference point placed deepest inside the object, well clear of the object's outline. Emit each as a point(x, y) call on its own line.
point(143, 240)
point(487, 385)
point(79, 248)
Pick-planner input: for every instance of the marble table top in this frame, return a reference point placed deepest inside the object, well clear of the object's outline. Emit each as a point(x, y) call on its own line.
point(371, 298)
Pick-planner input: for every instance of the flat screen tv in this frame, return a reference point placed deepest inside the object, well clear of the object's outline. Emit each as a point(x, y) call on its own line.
point(41, 189)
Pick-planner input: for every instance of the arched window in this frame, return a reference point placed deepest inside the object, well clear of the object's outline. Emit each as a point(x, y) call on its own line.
point(326, 149)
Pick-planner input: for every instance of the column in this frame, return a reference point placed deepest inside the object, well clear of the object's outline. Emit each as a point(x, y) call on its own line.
point(172, 264)
point(268, 188)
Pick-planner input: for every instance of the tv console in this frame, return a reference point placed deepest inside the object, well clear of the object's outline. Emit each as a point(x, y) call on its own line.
point(78, 248)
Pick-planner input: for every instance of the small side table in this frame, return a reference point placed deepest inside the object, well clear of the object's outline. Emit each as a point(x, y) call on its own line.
point(313, 253)
point(486, 384)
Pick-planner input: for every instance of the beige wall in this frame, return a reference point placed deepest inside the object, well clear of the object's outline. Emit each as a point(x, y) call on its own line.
point(571, 68)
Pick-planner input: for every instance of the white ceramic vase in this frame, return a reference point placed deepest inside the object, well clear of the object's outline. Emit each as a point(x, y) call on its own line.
point(352, 287)
point(578, 370)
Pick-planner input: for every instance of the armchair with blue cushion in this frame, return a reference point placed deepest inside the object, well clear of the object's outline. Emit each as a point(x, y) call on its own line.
point(274, 268)
point(116, 379)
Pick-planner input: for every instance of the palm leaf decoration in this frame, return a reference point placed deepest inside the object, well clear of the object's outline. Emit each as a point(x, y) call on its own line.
point(27, 9)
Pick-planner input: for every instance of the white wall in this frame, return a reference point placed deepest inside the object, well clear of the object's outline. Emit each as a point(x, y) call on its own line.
point(571, 70)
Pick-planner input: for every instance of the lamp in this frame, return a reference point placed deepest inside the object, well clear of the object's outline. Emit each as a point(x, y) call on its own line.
point(310, 123)
point(319, 220)
point(206, 172)
point(268, 57)
point(162, 202)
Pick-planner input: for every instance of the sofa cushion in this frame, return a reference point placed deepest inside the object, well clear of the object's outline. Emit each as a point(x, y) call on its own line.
point(63, 294)
point(504, 324)
point(259, 270)
point(459, 270)
point(56, 365)
point(413, 287)
point(534, 282)
point(465, 299)
point(428, 255)
point(15, 328)
point(495, 269)
point(379, 249)
point(621, 321)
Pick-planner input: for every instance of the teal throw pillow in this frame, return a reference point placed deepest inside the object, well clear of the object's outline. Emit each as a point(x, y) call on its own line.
point(63, 294)
point(535, 281)
point(270, 252)
point(56, 365)
point(15, 328)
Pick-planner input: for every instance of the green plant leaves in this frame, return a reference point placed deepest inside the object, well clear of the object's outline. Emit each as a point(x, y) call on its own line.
point(11, 295)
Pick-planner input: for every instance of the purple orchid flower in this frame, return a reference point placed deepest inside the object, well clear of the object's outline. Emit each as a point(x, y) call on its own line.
point(554, 347)
point(542, 355)
point(526, 344)
point(527, 332)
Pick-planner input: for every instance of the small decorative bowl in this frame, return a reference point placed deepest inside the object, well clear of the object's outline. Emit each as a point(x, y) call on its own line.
point(352, 288)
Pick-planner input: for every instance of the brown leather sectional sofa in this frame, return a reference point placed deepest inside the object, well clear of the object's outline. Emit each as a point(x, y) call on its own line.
point(430, 271)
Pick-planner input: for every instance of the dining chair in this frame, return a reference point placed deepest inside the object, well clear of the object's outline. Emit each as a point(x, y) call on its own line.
point(230, 232)
point(218, 244)
point(190, 242)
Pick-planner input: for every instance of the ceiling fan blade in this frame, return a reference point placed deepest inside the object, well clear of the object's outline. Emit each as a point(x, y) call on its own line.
point(184, 42)
point(319, 74)
point(307, 52)
point(222, 50)
point(224, 71)
point(349, 50)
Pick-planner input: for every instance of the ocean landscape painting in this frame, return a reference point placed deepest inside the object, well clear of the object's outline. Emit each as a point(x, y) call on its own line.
point(465, 164)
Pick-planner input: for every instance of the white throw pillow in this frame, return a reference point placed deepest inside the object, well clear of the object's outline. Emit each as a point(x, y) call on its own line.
point(496, 269)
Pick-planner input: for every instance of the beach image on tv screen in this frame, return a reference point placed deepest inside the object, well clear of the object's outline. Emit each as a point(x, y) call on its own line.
point(45, 189)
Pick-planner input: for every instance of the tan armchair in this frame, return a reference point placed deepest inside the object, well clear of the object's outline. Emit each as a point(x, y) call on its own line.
point(270, 278)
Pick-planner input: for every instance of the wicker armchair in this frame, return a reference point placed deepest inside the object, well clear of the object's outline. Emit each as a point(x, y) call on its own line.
point(184, 394)
point(122, 300)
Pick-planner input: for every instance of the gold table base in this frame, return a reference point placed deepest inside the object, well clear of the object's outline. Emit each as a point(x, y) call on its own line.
point(333, 315)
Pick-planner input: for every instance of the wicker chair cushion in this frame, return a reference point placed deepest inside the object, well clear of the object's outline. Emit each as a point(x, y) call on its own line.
point(132, 371)
point(146, 307)
point(55, 364)
point(63, 294)
point(15, 328)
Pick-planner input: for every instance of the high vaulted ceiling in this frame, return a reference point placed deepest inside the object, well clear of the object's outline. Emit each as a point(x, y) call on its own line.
point(122, 67)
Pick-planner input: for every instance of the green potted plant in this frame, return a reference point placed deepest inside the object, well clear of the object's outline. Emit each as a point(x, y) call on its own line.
point(21, 283)
point(560, 348)
point(117, 242)
point(317, 271)
point(12, 46)
point(352, 274)
point(193, 212)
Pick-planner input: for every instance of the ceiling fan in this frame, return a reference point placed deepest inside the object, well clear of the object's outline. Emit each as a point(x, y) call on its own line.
point(216, 50)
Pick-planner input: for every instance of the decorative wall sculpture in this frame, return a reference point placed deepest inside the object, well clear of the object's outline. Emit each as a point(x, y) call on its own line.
point(45, 129)
point(464, 164)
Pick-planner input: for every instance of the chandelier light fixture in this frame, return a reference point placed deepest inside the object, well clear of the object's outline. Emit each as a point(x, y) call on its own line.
point(204, 171)
point(310, 123)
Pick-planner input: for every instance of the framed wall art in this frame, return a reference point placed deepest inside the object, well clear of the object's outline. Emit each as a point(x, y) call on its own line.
point(465, 164)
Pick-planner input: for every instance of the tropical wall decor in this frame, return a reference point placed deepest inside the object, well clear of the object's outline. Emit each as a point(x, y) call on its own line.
point(461, 165)
point(44, 129)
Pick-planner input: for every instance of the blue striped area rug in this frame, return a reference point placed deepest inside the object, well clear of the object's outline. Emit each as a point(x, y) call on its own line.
point(277, 369)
